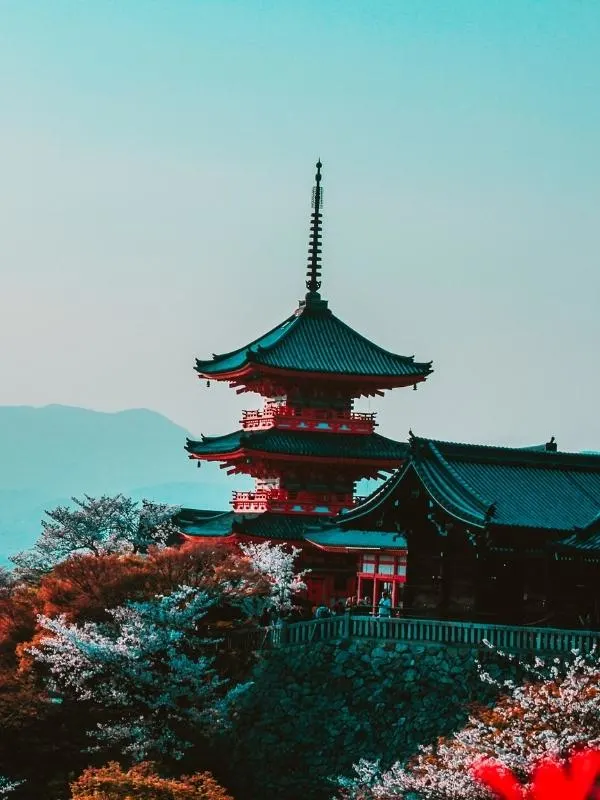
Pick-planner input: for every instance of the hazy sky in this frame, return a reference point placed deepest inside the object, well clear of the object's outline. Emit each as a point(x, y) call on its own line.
point(156, 162)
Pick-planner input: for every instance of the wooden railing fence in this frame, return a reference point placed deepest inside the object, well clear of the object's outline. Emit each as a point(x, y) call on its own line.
point(508, 638)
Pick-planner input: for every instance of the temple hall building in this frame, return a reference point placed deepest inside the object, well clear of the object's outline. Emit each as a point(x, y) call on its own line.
point(454, 530)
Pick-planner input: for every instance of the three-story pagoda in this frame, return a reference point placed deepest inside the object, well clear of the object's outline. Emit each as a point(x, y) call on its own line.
point(306, 447)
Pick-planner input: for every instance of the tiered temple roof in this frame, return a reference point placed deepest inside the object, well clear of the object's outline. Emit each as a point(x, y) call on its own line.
point(266, 525)
point(315, 342)
point(479, 485)
point(311, 445)
point(524, 488)
point(348, 539)
point(307, 447)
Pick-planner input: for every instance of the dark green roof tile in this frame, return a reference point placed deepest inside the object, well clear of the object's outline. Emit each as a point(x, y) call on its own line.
point(281, 527)
point(296, 443)
point(315, 340)
point(195, 521)
point(357, 539)
point(513, 487)
point(523, 488)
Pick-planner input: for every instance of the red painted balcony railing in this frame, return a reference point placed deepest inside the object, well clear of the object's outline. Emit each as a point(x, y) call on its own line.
point(283, 502)
point(308, 419)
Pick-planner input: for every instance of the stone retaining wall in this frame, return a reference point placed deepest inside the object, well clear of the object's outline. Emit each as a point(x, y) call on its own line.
point(314, 711)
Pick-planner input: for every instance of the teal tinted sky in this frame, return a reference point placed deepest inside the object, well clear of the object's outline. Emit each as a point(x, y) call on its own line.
point(156, 161)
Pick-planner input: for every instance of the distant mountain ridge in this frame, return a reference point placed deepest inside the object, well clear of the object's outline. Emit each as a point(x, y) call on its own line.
point(51, 453)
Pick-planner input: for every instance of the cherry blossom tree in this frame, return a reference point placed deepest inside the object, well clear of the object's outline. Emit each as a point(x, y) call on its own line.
point(96, 526)
point(276, 563)
point(44, 741)
point(7, 786)
point(551, 716)
point(148, 669)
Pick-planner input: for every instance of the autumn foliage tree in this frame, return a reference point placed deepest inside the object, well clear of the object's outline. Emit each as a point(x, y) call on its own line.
point(150, 670)
point(18, 612)
point(84, 587)
point(142, 782)
point(104, 628)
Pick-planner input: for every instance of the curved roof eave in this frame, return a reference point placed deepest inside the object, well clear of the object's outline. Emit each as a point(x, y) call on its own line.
point(376, 498)
point(444, 501)
point(349, 447)
point(242, 352)
point(445, 487)
point(472, 510)
point(300, 335)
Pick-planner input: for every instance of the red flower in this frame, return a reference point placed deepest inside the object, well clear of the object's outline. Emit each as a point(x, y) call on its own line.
point(552, 780)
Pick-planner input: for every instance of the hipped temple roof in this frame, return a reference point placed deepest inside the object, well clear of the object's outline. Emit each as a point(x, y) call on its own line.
point(297, 443)
point(357, 539)
point(315, 340)
point(501, 486)
point(285, 527)
point(265, 525)
point(584, 541)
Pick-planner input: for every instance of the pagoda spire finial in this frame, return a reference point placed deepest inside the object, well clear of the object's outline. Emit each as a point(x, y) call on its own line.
point(313, 273)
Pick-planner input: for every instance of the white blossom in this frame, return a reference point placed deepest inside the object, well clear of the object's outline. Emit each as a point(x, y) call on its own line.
point(96, 526)
point(7, 786)
point(148, 666)
point(276, 563)
point(551, 716)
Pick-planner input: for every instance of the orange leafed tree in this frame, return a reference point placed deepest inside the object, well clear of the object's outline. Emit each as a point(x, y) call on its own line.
point(84, 586)
point(142, 782)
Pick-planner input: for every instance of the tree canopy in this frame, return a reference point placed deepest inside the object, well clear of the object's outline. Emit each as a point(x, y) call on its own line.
point(552, 715)
point(108, 629)
point(96, 526)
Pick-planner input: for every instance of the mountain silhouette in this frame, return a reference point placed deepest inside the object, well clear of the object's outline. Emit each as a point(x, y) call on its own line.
point(50, 454)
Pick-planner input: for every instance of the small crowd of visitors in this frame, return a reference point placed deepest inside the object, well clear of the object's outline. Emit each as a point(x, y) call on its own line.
point(303, 610)
point(355, 605)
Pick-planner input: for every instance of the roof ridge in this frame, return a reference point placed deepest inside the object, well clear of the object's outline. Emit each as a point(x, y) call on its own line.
point(325, 435)
point(460, 480)
point(410, 359)
point(593, 522)
point(247, 347)
point(377, 496)
point(213, 438)
point(254, 348)
point(536, 456)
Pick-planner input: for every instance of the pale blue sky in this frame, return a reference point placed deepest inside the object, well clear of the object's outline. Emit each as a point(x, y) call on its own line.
point(156, 161)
